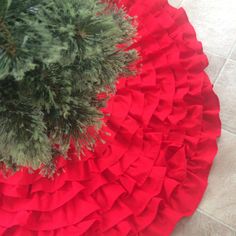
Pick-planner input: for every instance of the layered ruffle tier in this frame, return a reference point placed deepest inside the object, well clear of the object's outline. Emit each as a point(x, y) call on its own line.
point(153, 168)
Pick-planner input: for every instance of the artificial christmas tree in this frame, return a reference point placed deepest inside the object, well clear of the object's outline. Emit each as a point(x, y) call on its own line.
point(56, 57)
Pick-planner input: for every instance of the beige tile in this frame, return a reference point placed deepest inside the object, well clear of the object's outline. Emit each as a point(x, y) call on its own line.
point(201, 225)
point(233, 55)
point(215, 23)
point(175, 3)
point(215, 65)
point(219, 200)
point(225, 87)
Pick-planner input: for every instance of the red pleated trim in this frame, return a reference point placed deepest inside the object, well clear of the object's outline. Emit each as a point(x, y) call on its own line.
point(153, 168)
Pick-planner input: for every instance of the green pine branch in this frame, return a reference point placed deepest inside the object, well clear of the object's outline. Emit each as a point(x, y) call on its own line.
point(56, 56)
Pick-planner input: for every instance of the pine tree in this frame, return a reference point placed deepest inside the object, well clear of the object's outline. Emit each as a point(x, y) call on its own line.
point(56, 57)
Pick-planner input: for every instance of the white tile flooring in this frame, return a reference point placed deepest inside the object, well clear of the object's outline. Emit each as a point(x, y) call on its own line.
point(215, 24)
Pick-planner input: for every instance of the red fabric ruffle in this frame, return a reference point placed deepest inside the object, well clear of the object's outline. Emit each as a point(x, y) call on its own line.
point(153, 169)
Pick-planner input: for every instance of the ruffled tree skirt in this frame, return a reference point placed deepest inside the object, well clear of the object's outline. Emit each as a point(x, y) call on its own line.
point(153, 169)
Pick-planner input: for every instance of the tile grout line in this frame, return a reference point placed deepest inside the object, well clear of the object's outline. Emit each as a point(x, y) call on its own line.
point(218, 55)
point(220, 72)
point(232, 49)
point(227, 129)
point(228, 58)
point(215, 55)
point(178, 5)
point(216, 219)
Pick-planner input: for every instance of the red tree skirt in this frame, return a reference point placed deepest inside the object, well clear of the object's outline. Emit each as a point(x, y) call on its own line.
point(153, 169)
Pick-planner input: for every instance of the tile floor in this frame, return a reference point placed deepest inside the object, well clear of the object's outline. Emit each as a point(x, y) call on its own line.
point(215, 24)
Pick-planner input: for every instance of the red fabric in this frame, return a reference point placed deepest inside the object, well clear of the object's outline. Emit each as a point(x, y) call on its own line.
point(153, 169)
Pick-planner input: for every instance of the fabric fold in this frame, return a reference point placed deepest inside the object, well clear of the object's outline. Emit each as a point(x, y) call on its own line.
point(153, 168)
